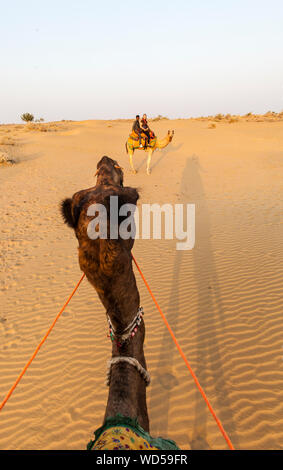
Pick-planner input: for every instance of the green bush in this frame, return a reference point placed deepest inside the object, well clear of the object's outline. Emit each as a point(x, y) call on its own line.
point(27, 117)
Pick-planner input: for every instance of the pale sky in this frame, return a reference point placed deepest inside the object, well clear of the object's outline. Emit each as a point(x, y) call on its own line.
point(89, 59)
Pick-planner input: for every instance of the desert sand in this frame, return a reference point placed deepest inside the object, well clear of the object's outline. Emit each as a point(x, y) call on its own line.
point(223, 299)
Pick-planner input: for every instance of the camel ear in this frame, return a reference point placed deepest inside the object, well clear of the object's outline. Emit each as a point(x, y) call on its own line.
point(66, 211)
point(70, 213)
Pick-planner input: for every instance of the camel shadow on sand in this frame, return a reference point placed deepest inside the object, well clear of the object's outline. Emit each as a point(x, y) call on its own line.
point(209, 313)
point(162, 154)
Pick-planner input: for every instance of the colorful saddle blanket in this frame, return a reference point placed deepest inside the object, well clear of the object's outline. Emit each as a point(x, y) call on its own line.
point(134, 135)
point(135, 140)
point(124, 433)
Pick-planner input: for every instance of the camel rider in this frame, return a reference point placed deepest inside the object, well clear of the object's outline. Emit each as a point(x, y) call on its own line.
point(145, 127)
point(138, 130)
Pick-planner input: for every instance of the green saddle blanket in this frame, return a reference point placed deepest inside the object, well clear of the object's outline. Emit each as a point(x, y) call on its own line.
point(124, 433)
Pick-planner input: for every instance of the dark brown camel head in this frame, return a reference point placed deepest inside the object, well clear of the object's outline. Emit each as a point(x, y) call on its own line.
point(171, 135)
point(109, 182)
point(109, 172)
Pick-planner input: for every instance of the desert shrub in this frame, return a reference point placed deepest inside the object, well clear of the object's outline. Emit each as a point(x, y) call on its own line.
point(40, 127)
point(30, 127)
point(27, 117)
point(5, 160)
point(232, 120)
point(219, 117)
point(33, 126)
point(212, 126)
point(270, 114)
point(7, 141)
point(159, 118)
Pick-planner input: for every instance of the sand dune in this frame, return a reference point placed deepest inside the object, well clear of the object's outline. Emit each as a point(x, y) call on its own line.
point(223, 299)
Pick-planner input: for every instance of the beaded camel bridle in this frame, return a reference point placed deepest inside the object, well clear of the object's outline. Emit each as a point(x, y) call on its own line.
point(128, 333)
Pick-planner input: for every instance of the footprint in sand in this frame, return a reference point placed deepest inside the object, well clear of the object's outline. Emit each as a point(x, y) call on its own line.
point(75, 414)
point(8, 337)
point(199, 441)
point(167, 380)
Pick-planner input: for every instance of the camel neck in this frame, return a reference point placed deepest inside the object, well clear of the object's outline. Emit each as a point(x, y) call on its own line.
point(127, 388)
point(162, 142)
point(120, 296)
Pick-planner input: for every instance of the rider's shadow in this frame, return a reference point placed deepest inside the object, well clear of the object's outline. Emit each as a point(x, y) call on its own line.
point(209, 313)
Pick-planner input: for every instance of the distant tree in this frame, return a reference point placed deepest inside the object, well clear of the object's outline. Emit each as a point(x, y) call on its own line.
point(219, 116)
point(27, 117)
